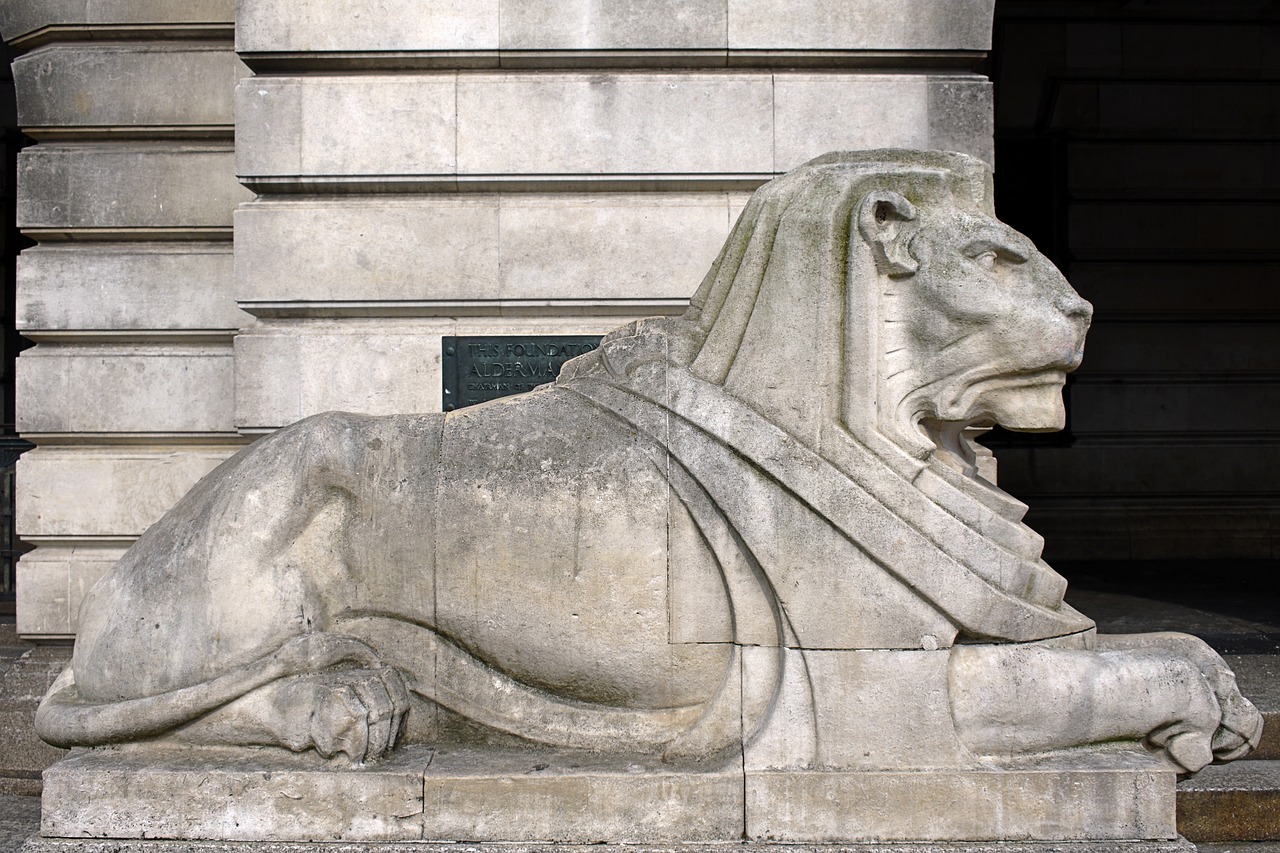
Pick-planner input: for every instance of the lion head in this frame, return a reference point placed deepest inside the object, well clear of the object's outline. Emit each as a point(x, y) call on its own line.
point(875, 295)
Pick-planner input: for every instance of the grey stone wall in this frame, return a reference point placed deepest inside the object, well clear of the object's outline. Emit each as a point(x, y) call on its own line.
point(406, 170)
point(129, 193)
point(557, 167)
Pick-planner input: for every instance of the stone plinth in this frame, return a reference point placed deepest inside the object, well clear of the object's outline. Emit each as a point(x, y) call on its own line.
point(487, 795)
point(62, 845)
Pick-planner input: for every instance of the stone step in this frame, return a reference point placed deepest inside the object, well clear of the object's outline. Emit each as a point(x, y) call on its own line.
point(26, 671)
point(1259, 679)
point(1231, 802)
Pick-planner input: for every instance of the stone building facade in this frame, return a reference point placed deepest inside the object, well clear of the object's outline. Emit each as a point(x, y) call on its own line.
point(247, 213)
point(242, 214)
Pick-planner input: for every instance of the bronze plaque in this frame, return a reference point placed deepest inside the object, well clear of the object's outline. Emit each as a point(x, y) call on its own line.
point(476, 369)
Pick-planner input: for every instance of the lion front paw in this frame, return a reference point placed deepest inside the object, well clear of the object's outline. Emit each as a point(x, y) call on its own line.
point(1241, 727)
point(1217, 724)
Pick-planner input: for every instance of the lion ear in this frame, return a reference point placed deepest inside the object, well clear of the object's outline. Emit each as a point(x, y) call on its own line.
point(886, 221)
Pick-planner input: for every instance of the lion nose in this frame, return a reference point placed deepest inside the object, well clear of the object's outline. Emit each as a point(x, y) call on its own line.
point(1075, 307)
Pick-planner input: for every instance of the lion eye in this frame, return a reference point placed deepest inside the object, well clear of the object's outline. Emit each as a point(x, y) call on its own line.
point(986, 260)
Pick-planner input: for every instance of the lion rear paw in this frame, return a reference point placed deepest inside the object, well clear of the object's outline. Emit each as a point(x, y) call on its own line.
point(358, 713)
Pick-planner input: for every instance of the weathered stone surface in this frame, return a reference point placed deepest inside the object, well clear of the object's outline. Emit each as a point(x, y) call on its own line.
point(157, 287)
point(502, 575)
point(692, 125)
point(123, 87)
point(268, 798)
point(143, 188)
point(825, 109)
point(391, 125)
point(860, 25)
point(377, 25)
point(818, 111)
point(523, 795)
point(125, 388)
point(60, 845)
point(1062, 802)
point(287, 371)
point(476, 248)
point(854, 730)
point(26, 671)
point(52, 581)
point(609, 246)
point(19, 17)
point(686, 123)
point(961, 116)
point(600, 25)
point(586, 25)
point(105, 491)
point(283, 374)
point(481, 796)
point(369, 248)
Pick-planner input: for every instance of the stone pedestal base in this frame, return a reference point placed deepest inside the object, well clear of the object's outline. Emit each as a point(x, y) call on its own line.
point(48, 845)
point(424, 795)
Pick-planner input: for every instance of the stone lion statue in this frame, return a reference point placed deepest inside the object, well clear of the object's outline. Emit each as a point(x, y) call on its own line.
point(757, 526)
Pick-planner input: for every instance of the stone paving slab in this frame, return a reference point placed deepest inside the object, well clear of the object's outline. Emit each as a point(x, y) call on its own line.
point(19, 820)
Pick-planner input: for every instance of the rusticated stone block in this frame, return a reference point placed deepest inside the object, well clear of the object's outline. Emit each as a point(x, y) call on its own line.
point(161, 287)
point(368, 25)
point(818, 112)
point(821, 112)
point(19, 17)
point(69, 86)
point(390, 125)
point(860, 25)
point(667, 25)
point(285, 372)
point(266, 26)
point(125, 388)
point(477, 248)
point(580, 127)
point(105, 491)
point(52, 581)
point(131, 187)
